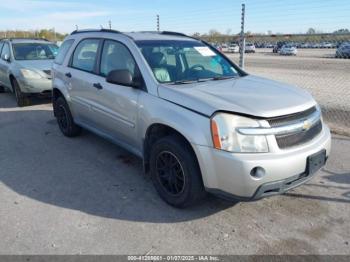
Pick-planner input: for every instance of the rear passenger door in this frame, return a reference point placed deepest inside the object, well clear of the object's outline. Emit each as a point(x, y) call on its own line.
point(117, 105)
point(80, 76)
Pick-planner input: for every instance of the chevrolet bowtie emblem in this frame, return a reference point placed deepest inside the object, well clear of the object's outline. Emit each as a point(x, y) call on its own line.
point(306, 125)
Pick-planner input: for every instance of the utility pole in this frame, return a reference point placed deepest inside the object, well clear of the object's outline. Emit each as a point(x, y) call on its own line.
point(158, 27)
point(242, 39)
point(110, 24)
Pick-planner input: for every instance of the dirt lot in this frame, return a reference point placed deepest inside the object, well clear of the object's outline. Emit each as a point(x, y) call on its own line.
point(87, 196)
point(316, 70)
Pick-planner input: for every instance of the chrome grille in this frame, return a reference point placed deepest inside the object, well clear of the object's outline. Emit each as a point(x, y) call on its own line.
point(290, 119)
point(295, 139)
point(292, 139)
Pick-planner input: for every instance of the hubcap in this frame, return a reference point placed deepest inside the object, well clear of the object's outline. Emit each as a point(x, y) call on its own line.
point(170, 173)
point(62, 117)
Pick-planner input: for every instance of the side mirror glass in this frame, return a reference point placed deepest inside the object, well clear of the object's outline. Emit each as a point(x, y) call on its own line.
point(121, 77)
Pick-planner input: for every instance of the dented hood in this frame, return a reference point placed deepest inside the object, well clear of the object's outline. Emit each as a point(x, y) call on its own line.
point(249, 95)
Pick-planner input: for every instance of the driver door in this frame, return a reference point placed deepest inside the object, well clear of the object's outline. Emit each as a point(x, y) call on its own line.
point(117, 105)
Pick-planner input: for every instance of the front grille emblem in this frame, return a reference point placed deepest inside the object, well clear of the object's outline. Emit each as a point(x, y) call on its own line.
point(306, 125)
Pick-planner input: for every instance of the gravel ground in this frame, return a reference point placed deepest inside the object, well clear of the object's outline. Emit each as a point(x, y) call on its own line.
point(87, 196)
point(327, 78)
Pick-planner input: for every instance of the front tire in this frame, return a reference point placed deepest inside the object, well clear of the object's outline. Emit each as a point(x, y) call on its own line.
point(65, 119)
point(175, 172)
point(21, 99)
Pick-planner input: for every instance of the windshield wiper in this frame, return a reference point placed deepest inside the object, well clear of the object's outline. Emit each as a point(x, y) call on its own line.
point(222, 77)
point(180, 82)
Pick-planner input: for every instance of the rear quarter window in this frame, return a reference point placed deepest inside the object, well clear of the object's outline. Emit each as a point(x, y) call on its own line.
point(63, 50)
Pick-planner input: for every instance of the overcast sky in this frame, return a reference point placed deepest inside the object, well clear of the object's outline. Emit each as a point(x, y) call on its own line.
point(188, 16)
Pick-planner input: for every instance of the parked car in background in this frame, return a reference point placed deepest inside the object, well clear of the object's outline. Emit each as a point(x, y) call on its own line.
point(25, 67)
point(305, 45)
point(218, 47)
point(327, 45)
point(224, 48)
point(233, 48)
point(278, 46)
point(288, 50)
point(197, 120)
point(250, 48)
point(343, 51)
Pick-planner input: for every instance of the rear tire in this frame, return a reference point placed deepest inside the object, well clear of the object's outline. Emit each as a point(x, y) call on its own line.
point(175, 172)
point(2, 89)
point(64, 118)
point(21, 98)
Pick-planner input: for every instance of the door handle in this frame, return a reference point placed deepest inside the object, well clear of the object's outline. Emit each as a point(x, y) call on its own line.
point(69, 75)
point(98, 86)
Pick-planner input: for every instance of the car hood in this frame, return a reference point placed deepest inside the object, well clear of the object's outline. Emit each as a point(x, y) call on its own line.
point(35, 64)
point(251, 95)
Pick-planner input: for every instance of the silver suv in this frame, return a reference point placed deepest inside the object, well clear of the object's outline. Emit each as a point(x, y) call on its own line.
point(198, 121)
point(25, 67)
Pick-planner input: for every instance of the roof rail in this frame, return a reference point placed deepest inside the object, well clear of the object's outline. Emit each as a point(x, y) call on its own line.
point(26, 38)
point(95, 30)
point(173, 33)
point(179, 34)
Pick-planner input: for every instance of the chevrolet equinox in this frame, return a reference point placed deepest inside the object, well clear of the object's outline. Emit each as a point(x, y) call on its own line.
point(198, 121)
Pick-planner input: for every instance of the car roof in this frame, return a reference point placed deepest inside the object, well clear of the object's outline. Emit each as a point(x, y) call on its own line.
point(140, 36)
point(144, 36)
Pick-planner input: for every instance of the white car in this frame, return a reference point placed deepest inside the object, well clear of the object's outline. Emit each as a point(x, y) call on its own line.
point(288, 50)
point(328, 45)
point(224, 48)
point(233, 48)
point(250, 48)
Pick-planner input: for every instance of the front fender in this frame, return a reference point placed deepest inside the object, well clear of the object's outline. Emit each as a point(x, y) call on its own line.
point(194, 126)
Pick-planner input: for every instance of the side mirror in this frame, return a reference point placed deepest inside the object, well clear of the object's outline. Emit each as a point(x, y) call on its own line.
point(6, 57)
point(121, 77)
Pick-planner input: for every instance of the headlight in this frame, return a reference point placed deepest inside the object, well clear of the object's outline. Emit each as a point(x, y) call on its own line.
point(225, 136)
point(30, 74)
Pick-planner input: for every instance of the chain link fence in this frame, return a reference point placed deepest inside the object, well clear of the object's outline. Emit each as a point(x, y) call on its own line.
point(319, 63)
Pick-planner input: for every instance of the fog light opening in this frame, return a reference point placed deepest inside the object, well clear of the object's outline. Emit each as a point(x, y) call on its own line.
point(257, 172)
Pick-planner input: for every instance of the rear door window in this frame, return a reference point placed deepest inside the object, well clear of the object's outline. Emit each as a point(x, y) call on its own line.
point(85, 54)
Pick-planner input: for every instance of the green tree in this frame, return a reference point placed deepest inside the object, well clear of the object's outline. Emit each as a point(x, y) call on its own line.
point(311, 31)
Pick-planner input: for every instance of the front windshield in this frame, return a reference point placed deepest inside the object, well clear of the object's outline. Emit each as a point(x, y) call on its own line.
point(34, 51)
point(183, 61)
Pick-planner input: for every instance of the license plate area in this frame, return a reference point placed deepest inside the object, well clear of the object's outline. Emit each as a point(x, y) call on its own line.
point(315, 162)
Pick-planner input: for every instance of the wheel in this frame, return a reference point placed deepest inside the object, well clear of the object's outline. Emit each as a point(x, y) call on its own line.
point(175, 172)
point(2, 89)
point(21, 98)
point(64, 118)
